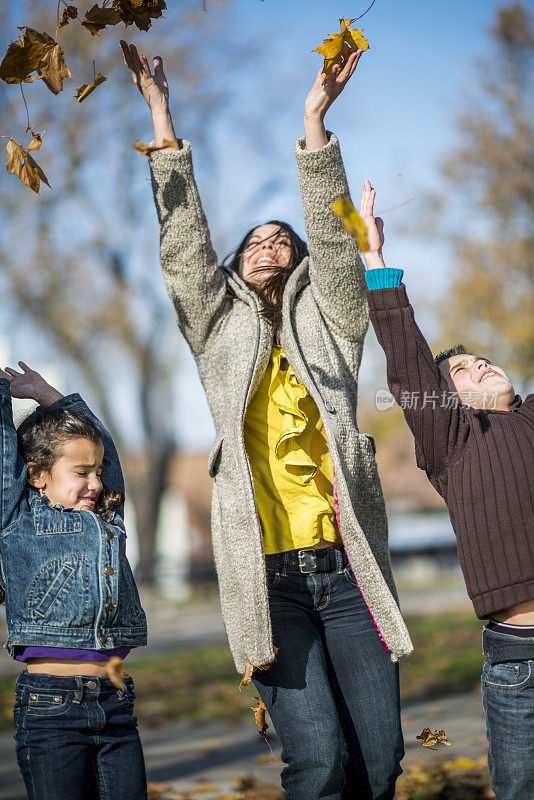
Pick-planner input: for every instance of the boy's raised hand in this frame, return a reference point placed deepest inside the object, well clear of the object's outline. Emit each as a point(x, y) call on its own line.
point(29, 385)
point(375, 228)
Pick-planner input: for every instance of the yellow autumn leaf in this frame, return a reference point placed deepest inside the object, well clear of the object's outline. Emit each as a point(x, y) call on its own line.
point(21, 164)
point(338, 47)
point(36, 142)
point(85, 90)
point(146, 149)
point(352, 222)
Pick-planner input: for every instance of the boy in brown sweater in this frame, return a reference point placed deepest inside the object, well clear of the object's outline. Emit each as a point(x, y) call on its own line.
point(474, 437)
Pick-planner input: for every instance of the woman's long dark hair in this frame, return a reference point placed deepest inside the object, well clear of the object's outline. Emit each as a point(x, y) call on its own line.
point(41, 436)
point(272, 288)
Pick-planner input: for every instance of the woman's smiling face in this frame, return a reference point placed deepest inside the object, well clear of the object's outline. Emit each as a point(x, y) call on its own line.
point(268, 246)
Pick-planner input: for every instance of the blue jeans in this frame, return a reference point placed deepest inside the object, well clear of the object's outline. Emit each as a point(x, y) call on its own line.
point(508, 700)
point(77, 739)
point(332, 692)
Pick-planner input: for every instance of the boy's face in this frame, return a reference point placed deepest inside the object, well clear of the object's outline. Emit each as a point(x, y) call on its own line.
point(74, 480)
point(477, 382)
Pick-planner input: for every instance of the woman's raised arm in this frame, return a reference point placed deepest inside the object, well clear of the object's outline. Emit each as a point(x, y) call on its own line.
point(195, 284)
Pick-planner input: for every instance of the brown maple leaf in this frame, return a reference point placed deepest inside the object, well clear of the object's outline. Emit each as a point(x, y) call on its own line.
point(338, 47)
point(23, 57)
point(36, 142)
point(139, 12)
point(146, 149)
point(97, 18)
point(21, 164)
point(84, 91)
point(70, 12)
point(429, 739)
point(259, 716)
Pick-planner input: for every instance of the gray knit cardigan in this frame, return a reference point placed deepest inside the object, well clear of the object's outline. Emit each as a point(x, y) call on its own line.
point(324, 322)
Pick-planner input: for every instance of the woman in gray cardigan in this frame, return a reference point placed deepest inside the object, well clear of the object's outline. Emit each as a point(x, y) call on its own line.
point(307, 592)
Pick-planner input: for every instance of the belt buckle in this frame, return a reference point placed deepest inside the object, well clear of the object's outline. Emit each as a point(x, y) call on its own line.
point(307, 561)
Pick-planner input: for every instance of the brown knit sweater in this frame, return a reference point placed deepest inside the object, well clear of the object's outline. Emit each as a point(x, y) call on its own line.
point(480, 461)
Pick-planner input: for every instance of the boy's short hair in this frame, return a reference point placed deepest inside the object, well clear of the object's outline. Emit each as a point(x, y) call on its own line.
point(457, 350)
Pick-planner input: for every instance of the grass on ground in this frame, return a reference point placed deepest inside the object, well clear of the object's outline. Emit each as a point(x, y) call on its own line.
point(201, 684)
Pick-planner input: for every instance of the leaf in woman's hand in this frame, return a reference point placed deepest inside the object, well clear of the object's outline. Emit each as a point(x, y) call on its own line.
point(97, 18)
point(21, 164)
point(84, 91)
point(352, 222)
point(338, 47)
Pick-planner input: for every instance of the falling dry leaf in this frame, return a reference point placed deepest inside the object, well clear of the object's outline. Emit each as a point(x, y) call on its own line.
point(338, 47)
point(116, 672)
point(259, 719)
point(146, 149)
point(139, 12)
point(84, 91)
point(23, 57)
point(97, 18)
point(21, 164)
point(429, 739)
point(70, 12)
point(247, 675)
point(352, 222)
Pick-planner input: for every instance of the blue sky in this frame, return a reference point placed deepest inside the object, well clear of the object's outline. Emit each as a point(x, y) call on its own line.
point(395, 120)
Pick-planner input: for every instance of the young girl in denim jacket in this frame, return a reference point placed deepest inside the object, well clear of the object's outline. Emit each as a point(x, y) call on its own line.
point(71, 599)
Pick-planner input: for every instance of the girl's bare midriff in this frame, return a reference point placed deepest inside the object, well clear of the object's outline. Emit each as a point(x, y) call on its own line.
point(59, 666)
point(521, 614)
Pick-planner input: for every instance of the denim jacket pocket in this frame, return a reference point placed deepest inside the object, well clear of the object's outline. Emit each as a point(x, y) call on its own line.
point(59, 594)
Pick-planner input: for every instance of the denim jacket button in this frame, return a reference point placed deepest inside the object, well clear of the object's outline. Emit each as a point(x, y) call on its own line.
point(103, 639)
point(109, 570)
point(109, 607)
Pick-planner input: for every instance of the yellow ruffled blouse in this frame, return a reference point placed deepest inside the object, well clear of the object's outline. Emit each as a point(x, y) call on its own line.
point(290, 461)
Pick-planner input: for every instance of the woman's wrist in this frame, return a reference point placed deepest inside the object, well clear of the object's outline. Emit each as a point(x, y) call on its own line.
point(314, 132)
point(163, 126)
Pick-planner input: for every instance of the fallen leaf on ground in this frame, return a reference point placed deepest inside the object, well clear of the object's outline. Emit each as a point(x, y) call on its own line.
point(96, 19)
point(146, 149)
point(21, 164)
point(429, 739)
point(70, 12)
point(84, 91)
point(338, 47)
point(352, 222)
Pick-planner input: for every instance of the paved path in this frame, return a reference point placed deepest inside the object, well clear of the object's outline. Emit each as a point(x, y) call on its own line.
point(185, 755)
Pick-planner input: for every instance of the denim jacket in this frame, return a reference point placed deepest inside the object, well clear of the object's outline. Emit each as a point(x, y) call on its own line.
point(65, 573)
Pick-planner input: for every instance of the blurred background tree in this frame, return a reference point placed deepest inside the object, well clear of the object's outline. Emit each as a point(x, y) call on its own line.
point(489, 199)
point(76, 261)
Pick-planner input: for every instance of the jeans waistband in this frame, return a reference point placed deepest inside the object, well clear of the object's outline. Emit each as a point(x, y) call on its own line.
point(326, 559)
point(40, 680)
point(505, 647)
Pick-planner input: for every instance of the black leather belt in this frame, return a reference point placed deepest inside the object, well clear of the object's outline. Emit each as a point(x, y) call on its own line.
point(326, 559)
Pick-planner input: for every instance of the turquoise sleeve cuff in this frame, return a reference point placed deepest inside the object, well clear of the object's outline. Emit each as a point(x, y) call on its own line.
point(385, 278)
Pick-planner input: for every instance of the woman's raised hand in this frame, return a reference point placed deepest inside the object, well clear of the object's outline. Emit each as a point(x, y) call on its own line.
point(375, 229)
point(321, 96)
point(29, 385)
point(154, 88)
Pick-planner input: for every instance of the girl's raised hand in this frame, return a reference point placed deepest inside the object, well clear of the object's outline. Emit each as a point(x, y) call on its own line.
point(29, 385)
point(375, 228)
point(324, 92)
point(153, 87)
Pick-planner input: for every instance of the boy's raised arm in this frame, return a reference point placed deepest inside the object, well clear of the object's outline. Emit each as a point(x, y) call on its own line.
point(430, 407)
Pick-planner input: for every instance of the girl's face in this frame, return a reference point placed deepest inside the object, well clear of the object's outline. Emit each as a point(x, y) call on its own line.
point(268, 246)
point(74, 480)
